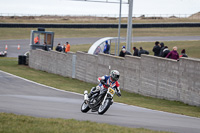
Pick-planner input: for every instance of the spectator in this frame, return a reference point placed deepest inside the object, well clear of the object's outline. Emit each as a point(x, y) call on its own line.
point(156, 49)
point(161, 49)
point(59, 48)
point(165, 52)
point(142, 51)
point(173, 54)
point(63, 47)
point(67, 48)
point(45, 46)
point(124, 52)
point(37, 39)
point(106, 48)
point(135, 51)
point(183, 54)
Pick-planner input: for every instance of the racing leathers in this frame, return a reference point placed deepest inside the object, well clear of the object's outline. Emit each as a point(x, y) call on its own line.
point(105, 82)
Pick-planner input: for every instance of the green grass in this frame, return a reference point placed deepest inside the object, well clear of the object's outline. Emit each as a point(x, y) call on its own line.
point(10, 65)
point(10, 123)
point(192, 47)
point(24, 33)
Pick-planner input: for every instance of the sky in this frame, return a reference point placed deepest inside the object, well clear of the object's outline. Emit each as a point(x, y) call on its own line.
point(74, 7)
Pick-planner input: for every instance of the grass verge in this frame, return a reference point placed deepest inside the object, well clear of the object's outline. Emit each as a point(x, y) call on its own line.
point(10, 65)
point(24, 33)
point(10, 123)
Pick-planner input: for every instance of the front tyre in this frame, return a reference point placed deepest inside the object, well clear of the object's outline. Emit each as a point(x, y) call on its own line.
point(85, 108)
point(103, 108)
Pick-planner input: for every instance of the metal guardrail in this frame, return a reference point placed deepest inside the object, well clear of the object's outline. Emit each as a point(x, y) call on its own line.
point(150, 25)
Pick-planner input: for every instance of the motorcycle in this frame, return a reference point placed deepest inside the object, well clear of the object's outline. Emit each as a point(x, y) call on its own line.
point(97, 102)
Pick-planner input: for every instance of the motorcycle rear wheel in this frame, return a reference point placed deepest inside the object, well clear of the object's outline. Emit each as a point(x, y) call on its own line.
point(103, 108)
point(85, 108)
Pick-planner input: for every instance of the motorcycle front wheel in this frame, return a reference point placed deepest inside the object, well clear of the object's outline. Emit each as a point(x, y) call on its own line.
point(85, 108)
point(103, 108)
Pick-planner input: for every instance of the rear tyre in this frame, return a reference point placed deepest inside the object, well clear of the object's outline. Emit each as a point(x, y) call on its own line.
point(85, 108)
point(103, 108)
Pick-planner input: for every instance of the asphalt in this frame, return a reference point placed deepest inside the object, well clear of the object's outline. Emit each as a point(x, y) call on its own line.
point(21, 96)
point(25, 43)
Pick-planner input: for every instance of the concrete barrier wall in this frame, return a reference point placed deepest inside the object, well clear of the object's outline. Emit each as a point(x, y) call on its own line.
point(86, 67)
point(189, 81)
point(132, 66)
point(52, 62)
point(147, 75)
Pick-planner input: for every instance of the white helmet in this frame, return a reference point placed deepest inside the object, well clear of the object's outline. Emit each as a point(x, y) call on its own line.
point(114, 74)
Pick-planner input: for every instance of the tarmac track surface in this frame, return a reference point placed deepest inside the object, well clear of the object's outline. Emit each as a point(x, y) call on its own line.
point(21, 96)
point(24, 43)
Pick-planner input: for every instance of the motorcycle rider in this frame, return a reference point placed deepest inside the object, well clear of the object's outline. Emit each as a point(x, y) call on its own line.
point(105, 82)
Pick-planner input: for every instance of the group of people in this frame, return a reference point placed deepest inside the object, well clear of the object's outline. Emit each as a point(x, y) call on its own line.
point(159, 50)
point(162, 51)
point(65, 48)
point(136, 52)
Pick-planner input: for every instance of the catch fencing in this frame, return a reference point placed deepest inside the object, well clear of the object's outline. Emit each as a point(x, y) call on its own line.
point(146, 75)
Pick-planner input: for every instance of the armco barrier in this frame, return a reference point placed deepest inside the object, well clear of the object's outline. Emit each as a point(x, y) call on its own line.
point(147, 75)
point(153, 25)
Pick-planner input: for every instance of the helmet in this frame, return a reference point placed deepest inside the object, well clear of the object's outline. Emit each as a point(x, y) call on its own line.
point(114, 74)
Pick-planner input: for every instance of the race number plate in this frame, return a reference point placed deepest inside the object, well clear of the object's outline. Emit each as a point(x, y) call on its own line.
point(111, 91)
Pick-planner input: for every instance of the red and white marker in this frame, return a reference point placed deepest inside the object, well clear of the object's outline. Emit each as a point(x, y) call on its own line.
point(6, 47)
point(18, 47)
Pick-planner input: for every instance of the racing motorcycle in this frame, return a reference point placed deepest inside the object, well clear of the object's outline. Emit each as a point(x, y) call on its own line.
point(97, 102)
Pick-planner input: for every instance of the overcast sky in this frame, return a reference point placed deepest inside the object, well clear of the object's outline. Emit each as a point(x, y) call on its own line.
point(67, 7)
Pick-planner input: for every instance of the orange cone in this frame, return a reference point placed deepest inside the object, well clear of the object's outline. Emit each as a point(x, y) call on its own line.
point(6, 47)
point(18, 47)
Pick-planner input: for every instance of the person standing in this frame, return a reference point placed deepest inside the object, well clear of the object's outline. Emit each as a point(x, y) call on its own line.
point(37, 39)
point(161, 49)
point(67, 47)
point(59, 48)
point(183, 54)
point(142, 51)
point(106, 48)
point(156, 49)
point(173, 54)
point(124, 52)
point(135, 51)
point(63, 47)
point(45, 46)
point(165, 52)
